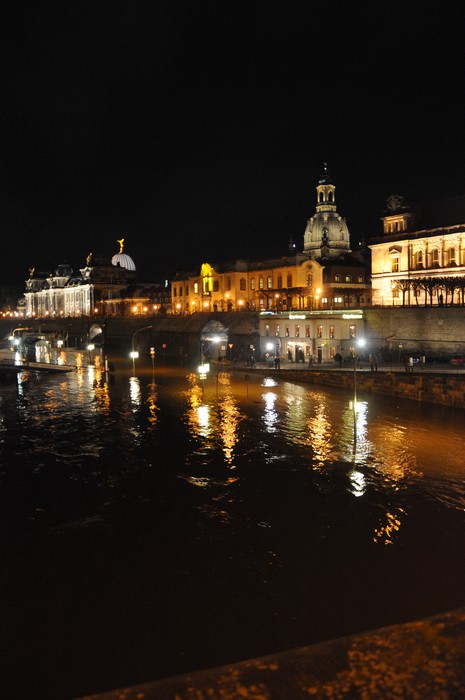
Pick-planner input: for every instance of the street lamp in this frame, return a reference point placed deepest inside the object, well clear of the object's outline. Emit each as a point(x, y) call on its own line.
point(361, 344)
point(134, 354)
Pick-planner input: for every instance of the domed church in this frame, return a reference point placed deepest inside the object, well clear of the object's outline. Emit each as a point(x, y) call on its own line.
point(326, 274)
point(326, 235)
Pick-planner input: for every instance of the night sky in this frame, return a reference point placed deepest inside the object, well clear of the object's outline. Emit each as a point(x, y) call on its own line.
point(198, 130)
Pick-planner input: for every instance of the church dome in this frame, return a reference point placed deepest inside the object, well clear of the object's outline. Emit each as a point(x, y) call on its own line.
point(123, 260)
point(326, 235)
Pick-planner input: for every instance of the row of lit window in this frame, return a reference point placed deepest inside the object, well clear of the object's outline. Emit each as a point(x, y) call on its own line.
point(319, 331)
point(432, 258)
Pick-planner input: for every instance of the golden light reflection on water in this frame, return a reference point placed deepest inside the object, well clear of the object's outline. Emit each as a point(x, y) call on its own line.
point(152, 406)
point(215, 419)
point(388, 530)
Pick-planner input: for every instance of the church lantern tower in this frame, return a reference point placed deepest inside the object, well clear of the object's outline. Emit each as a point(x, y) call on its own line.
point(326, 235)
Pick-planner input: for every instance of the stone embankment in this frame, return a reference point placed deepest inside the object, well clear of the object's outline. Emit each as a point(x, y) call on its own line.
point(422, 659)
point(447, 389)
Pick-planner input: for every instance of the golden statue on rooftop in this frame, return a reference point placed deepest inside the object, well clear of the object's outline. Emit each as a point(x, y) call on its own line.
point(31, 271)
point(121, 244)
point(88, 259)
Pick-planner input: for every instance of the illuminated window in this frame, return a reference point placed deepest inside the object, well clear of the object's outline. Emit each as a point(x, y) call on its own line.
point(252, 283)
point(319, 331)
point(451, 256)
point(269, 282)
point(277, 330)
point(435, 257)
point(352, 331)
point(331, 331)
point(418, 259)
point(337, 278)
point(287, 331)
point(196, 287)
point(267, 329)
point(307, 331)
point(348, 278)
point(242, 284)
point(309, 280)
point(360, 279)
point(297, 331)
point(260, 282)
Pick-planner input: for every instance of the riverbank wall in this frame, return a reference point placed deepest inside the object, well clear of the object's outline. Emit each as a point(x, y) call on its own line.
point(421, 659)
point(446, 389)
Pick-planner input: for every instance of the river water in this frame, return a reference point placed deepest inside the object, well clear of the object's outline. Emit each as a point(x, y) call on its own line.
point(155, 525)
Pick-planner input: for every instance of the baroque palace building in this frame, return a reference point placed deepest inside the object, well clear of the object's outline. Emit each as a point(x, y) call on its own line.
point(420, 258)
point(103, 287)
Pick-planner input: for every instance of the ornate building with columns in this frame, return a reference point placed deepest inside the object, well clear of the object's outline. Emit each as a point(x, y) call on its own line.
point(103, 287)
point(420, 258)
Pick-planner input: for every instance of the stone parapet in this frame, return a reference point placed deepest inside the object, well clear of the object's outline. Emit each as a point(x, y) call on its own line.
point(422, 659)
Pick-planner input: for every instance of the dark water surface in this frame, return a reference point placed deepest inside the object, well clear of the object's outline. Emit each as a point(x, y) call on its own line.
point(149, 529)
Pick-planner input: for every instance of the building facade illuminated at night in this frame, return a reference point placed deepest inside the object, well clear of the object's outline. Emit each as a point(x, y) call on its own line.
point(103, 287)
point(324, 275)
point(420, 258)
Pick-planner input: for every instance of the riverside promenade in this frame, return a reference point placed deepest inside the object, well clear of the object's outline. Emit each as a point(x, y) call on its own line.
point(436, 383)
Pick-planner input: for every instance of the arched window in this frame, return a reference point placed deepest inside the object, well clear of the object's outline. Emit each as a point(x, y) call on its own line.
point(252, 283)
point(418, 259)
point(435, 257)
point(260, 282)
point(242, 284)
point(330, 197)
point(321, 197)
point(269, 282)
point(451, 256)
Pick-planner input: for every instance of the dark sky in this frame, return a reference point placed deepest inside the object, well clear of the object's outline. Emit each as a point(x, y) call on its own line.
point(198, 130)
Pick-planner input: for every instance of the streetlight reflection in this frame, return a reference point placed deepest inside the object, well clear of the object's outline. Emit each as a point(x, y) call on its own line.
point(360, 344)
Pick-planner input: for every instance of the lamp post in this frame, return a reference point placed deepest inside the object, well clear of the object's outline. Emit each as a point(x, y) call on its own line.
point(361, 344)
point(134, 354)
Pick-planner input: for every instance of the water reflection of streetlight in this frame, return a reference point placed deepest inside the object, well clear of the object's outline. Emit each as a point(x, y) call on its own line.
point(134, 354)
point(90, 347)
point(361, 342)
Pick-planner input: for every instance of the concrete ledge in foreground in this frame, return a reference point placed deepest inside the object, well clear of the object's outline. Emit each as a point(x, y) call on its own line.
point(423, 659)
